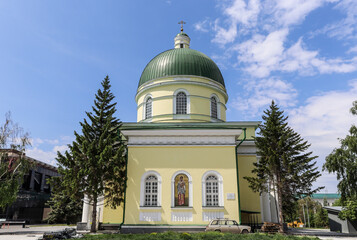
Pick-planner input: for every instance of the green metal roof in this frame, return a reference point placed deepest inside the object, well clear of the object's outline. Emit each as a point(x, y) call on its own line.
point(182, 33)
point(181, 61)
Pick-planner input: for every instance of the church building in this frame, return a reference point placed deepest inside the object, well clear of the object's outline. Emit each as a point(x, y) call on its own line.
point(185, 163)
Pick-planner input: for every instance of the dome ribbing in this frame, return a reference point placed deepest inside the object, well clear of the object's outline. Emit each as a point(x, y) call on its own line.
point(181, 61)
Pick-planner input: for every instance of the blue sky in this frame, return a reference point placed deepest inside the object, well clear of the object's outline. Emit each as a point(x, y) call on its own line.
point(301, 53)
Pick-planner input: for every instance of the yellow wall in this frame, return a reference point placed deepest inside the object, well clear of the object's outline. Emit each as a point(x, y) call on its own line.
point(199, 95)
point(196, 160)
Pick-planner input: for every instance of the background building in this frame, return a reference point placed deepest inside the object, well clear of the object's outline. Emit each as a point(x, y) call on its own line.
point(30, 204)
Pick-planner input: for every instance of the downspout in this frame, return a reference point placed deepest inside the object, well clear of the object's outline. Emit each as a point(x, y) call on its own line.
point(238, 190)
point(125, 184)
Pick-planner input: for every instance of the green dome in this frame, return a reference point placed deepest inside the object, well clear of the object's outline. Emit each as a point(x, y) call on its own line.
point(181, 61)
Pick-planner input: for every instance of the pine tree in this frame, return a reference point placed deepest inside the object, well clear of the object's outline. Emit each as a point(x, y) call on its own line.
point(285, 165)
point(95, 162)
point(343, 162)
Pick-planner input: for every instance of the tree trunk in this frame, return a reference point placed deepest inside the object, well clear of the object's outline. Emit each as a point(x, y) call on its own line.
point(280, 202)
point(94, 215)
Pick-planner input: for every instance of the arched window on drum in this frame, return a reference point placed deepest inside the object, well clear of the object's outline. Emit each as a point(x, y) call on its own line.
point(148, 108)
point(214, 108)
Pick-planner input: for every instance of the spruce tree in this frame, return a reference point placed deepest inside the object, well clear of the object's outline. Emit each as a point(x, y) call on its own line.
point(64, 208)
point(285, 165)
point(94, 165)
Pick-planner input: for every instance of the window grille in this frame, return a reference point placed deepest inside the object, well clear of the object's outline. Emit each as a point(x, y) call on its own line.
point(151, 191)
point(148, 108)
point(213, 107)
point(181, 103)
point(212, 191)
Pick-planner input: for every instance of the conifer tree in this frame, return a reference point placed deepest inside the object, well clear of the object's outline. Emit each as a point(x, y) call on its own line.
point(64, 208)
point(343, 162)
point(285, 165)
point(95, 162)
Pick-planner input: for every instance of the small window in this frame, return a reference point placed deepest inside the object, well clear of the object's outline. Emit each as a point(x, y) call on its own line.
point(181, 103)
point(212, 191)
point(151, 188)
point(148, 108)
point(215, 222)
point(181, 45)
point(214, 108)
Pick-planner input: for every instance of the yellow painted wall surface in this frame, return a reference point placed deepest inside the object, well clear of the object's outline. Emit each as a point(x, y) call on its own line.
point(196, 160)
point(166, 161)
point(113, 215)
point(250, 201)
point(163, 101)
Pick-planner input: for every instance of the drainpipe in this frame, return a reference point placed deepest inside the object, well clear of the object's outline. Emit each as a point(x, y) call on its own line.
point(125, 183)
point(238, 191)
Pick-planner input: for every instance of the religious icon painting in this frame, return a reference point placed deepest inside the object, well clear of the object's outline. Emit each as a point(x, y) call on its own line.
point(181, 190)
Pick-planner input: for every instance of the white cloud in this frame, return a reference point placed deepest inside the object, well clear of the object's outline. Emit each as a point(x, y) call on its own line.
point(262, 55)
point(239, 12)
point(45, 150)
point(289, 12)
point(347, 27)
point(262, 92)
point(324, 119)
point(258, 33)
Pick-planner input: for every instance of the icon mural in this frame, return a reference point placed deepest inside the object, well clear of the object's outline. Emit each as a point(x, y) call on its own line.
point(181, 190)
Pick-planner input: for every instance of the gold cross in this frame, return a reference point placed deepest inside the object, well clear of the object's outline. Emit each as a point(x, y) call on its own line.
point(182, 23)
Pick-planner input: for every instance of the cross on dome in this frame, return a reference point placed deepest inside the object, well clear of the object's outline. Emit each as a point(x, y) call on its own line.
point(182, 23)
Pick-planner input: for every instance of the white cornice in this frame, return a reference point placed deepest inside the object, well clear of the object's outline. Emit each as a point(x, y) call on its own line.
point(226, 137)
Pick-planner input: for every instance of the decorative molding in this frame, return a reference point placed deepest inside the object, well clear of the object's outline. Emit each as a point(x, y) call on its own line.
point(181, 216)
point(180, 140)
point(247, 148)
point(210, 215)
point(183, 137)
point(150, 216)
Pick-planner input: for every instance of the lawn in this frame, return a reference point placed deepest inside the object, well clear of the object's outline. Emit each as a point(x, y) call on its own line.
point(196, 236)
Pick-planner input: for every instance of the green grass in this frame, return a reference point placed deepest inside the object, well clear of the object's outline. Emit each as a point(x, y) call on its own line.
point(195, 236)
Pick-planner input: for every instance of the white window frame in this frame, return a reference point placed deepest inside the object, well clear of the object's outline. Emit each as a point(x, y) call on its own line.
point(187, 107)
point(220, 188)
point(190, 188)
point(218, 107)
point(144, 108)
point(142, 188)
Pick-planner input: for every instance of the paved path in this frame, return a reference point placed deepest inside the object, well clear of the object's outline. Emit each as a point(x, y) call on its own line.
point(28, 233)
point(322, 233)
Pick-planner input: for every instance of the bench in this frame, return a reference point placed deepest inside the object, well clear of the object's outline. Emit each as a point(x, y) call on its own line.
point(13, 222)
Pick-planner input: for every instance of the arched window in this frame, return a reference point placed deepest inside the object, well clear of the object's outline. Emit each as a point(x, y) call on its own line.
point(151, 190)
point(148, 108)
point(212, 193)
point(181, 103)
point(212, 189)
point(214, 107)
